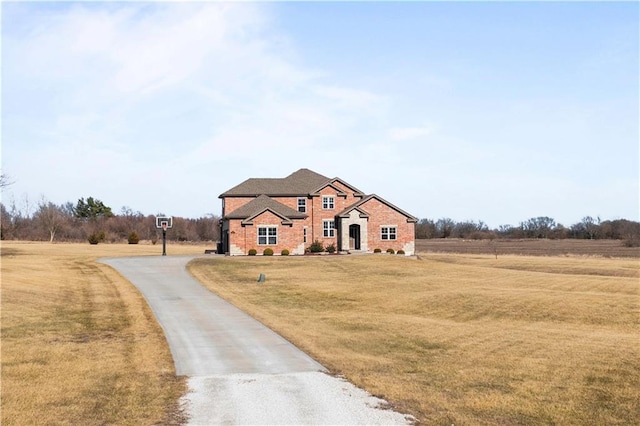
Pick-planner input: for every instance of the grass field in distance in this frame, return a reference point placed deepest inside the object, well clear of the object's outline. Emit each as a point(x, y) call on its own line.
point(458, 339)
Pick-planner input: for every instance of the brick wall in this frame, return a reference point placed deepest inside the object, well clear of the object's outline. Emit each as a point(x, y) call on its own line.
point(382, 215)
point(233, 203)
point(244, 238)
point(319, 215)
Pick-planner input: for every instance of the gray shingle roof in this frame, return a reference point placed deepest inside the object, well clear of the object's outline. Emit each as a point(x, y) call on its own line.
point(356, 205)
point(302, 182)
point(262, 203)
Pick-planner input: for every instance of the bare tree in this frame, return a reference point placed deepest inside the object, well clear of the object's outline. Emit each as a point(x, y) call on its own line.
point(538, 227)
point(50, 217)
point(444, 227)
point(5, 180)
point(425, 228)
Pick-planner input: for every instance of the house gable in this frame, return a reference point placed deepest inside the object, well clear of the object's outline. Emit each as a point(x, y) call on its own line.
point(342, 187)
point(360, 206)
point(348, 212)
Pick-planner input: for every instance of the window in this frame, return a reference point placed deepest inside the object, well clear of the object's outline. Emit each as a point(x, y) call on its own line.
point(327, 203)
point(388, 233)
point(267, 235)
point(302, 205)
point(328, 228)
point(304, 235)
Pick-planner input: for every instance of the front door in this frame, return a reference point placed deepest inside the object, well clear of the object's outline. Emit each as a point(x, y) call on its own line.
point(354, 237)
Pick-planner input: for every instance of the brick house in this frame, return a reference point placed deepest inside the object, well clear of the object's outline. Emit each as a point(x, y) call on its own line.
point(292, 212)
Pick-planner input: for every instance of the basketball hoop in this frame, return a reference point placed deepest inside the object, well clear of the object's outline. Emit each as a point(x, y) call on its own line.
point(164, 223)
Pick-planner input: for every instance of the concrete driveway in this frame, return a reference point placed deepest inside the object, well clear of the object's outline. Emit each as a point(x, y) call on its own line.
point(241, 372)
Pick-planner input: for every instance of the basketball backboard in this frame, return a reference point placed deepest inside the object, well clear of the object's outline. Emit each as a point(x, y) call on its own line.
point(164, 222)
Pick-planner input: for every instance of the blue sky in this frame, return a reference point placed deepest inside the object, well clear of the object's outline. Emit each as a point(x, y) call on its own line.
point(493, 111)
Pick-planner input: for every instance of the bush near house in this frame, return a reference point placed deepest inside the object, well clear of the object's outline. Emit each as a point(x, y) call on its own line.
point(377, 250)
point(252, 252)
point(316, 247)
point(390, 251)
point(284, 252)
point(331, 248)
point(267, 252)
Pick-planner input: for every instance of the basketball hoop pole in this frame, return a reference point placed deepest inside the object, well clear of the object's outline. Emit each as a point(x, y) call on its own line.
point(164, 239)
point(164, 223)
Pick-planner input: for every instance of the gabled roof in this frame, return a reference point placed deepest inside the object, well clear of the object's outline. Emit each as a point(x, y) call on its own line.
point(302, 183)
point(331, 182)
point(261, 204)
point(348, 210)
point(357, 205)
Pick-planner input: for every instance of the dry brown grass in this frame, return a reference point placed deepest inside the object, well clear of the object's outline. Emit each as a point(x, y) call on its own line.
point(79, 343)
point(458, 339)
point(529, 247)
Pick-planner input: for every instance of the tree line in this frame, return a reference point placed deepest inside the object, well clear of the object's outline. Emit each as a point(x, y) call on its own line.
point(47, 221)
point(537, 227)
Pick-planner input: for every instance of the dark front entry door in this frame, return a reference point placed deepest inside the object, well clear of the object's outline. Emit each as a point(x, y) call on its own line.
point(354, 237)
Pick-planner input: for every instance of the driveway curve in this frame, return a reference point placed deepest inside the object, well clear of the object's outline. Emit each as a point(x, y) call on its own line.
point(240, 371)
point(206, 334)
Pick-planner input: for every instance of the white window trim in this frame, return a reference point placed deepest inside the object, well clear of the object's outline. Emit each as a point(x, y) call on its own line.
point(267, 236)
point(389, 233)
point(305, 204)
point(330, 204)
point(327, 229)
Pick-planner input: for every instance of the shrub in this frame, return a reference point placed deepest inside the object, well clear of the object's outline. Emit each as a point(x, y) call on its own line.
point(631, 242)
point(331, 248)
point(252, 252)
point(400, 252)
point(267, 252)
point(390, 251)
point(284, 252)
point(101, 236)
point(377, 250)
point(316, 247)
point(133, 238)
point(94, 238)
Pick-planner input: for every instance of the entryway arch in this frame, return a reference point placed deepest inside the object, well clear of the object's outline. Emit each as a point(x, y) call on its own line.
point(354, 237)
point(353, 231)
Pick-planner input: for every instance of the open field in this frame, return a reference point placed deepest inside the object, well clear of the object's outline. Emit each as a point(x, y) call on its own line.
point(458, 339)
point(530, 247)
point(79, 344)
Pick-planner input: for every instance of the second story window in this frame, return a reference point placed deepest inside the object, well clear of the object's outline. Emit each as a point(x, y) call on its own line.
point(302, 205)
point(327, 203)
